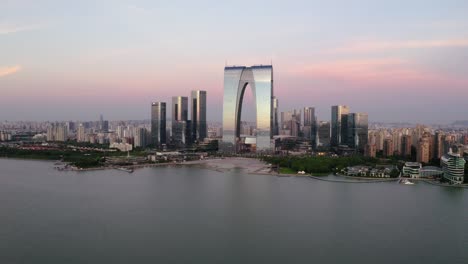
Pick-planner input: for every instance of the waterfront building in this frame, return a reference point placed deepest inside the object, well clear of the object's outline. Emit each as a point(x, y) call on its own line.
point(199, 126)
point(431, 172)
point(236, 80)
point(339, 121)
point(412, 169)
point(453, 166)
point(158, 123)
point(357, 131)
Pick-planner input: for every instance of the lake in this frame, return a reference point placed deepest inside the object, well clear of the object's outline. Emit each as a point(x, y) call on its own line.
point(194, 215)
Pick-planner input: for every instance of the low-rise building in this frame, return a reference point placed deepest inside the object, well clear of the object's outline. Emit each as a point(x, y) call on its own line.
point(412, 169)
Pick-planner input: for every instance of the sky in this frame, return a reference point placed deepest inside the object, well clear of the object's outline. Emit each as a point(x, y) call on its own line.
point(400, 60)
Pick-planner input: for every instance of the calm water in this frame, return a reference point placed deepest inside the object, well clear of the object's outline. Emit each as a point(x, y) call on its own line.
point(188, 215)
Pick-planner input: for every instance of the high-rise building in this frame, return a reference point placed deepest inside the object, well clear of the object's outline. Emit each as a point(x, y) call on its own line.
point(199, 127)
point(323, 134)
point(439, 145)
point(57, 132)
point(309, 129)
point(453, 166)
point(275, 116)
point(406, 142)
point(179, 108)
point(81, 134)
point(260, 80)
point(139, 137)
point(423, 152)
point(358, 130)
point(388, 147)
point(396, 137)
point(179, 121)
point(158, 123)
point(339, 121)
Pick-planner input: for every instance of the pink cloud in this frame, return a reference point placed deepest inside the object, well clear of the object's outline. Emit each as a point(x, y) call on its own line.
point(377, 72)
point(4, 71)
point(372, 46)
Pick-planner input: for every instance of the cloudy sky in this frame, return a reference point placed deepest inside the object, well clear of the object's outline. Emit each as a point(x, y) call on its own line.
point(400, 60)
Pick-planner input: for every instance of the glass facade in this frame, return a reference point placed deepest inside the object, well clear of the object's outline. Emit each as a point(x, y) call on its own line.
point(339, 124)
point(199, 127)
point(179, 120)
point(358, 130)
point(158, 123)
point(260, 80)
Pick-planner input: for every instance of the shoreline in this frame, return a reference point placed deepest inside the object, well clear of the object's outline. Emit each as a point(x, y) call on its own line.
point(249, 165)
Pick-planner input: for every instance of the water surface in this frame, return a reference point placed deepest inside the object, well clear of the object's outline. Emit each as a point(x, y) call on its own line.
point(193, 215)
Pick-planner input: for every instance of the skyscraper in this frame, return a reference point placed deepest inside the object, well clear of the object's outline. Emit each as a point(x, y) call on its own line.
point(275, 116)
point(260, 80)
point(199, 127)
point(323, 134)
point(180, 125)
point(309, 128)
point(358, 129)
point(158, 123)
point(339, 123)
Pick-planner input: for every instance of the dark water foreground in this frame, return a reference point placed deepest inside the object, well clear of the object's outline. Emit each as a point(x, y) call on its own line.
point(190, 215)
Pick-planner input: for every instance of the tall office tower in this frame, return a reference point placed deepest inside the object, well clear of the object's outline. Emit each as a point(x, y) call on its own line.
point(140, 137)
point(323, 134)
point(388, 147)
point(180, 125)
point(81, 134)
point(339, 117)
point(358, 130)
point(158, 123)
point(275, 116)
point(179, 108)
point(453, 166)
point(199, 127)
point(423, 150)
point(309, 129)
point(406, 143)
point(309, 116)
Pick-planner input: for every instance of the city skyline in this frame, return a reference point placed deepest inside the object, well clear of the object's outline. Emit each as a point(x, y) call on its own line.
point(122, 56)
